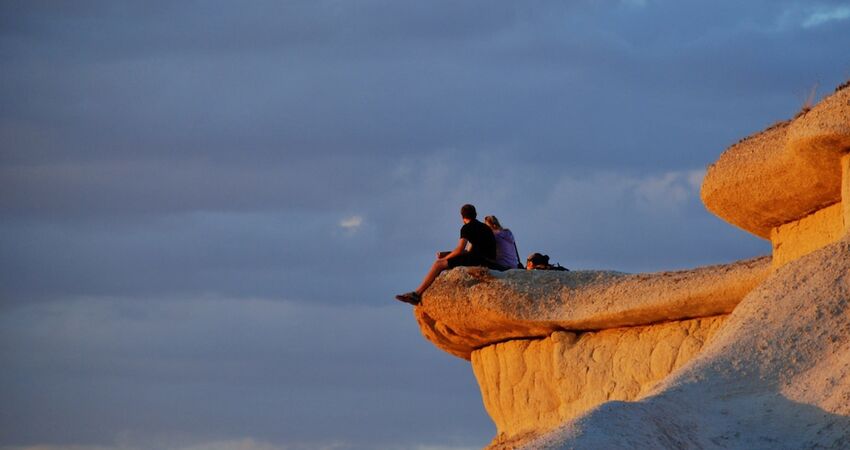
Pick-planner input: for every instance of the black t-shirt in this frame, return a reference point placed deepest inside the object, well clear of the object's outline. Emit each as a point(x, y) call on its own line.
point(482, 239)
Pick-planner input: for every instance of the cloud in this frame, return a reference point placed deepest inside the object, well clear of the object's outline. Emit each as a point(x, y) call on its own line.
point(351, 223)
point(668, 192)
point(286, 374)
point(251, 444)
point(612, 219)
point(634, 3)
point(823, 16)
point(232, 444)
point(158, 186)
point(64, 447)
point(179, 184)
point(443, 447)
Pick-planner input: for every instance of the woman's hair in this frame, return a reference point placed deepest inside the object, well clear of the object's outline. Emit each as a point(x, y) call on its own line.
point(493, 222)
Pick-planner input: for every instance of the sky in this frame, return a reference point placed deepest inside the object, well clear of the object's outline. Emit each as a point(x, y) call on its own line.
point(206, 208)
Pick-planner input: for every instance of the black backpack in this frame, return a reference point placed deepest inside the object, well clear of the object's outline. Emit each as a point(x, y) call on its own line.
point(543, 263)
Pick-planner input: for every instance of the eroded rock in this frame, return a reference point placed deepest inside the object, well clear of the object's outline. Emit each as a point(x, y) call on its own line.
point(470, 308)
point(783, 173)
point(785, 183)
point(776, 375)
point(533, 385)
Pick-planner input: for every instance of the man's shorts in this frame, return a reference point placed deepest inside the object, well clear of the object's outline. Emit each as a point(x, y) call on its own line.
point(469, 259)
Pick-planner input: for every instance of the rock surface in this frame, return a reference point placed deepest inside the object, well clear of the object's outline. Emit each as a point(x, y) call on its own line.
point(533, 385)
point(795, 239)
point(469, 308)
point(776, 375)
point(784, 173)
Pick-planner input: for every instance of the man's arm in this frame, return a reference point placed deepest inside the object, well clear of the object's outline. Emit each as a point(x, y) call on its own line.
point(461, 248)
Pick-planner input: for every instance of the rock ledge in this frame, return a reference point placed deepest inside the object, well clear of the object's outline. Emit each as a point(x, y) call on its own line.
point(469, 308)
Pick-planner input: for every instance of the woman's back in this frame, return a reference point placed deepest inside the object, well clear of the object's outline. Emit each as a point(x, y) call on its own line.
point(506, 253)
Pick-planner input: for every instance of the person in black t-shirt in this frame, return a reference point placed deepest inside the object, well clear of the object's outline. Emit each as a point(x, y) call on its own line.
point(477, 247)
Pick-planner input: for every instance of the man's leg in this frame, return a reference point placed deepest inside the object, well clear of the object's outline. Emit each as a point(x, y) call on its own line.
point(438, 266)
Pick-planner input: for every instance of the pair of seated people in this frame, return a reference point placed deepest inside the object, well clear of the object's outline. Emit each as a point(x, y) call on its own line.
point(481, 244)
point(487, 245)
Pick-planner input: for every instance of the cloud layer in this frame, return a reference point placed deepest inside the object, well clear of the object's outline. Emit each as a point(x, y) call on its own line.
point(206, 208)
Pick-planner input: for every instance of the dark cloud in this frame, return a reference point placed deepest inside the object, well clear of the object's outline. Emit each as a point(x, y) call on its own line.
point(386, 80)
point(207, 206)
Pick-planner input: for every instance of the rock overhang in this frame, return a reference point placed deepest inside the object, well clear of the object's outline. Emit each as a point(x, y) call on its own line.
point(784, 173)
point(470, 308)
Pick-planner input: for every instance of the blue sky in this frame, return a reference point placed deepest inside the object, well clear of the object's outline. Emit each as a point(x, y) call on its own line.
point(207, 207)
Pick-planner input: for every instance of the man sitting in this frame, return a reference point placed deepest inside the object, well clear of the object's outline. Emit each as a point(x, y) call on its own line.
point(481, 252)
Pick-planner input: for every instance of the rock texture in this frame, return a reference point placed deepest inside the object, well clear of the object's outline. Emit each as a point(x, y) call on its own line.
point(776, 375)
point(789, 183)
point(469, 308)
point(795, 239)
point(784, 173)
point(533, 385)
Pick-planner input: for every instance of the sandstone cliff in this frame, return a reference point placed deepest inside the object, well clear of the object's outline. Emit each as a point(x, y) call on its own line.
point(754, 354)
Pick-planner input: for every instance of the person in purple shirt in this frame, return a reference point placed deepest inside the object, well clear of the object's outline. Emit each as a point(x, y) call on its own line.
point(507, 255)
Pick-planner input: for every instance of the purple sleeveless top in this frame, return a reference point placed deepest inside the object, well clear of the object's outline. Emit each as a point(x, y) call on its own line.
point(505, 249)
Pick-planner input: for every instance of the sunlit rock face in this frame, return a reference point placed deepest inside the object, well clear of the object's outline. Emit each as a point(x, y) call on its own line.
point(790, 182)
point(533, 385)
point(547, 346)
point(470, 308)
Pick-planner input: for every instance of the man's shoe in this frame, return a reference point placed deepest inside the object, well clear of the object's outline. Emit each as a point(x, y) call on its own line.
point(411, 297)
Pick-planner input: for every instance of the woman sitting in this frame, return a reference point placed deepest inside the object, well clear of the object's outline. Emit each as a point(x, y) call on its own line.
point(507, 255)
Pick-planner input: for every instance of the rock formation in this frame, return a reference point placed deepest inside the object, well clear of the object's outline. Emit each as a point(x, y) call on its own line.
point(528, 385)
point(785, 183)
point(754, 354)
point(775, 376)
point(470, 308)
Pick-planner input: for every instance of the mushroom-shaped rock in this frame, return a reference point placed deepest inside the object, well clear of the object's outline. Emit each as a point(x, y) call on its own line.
point(784, 173)
point(469, 308)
